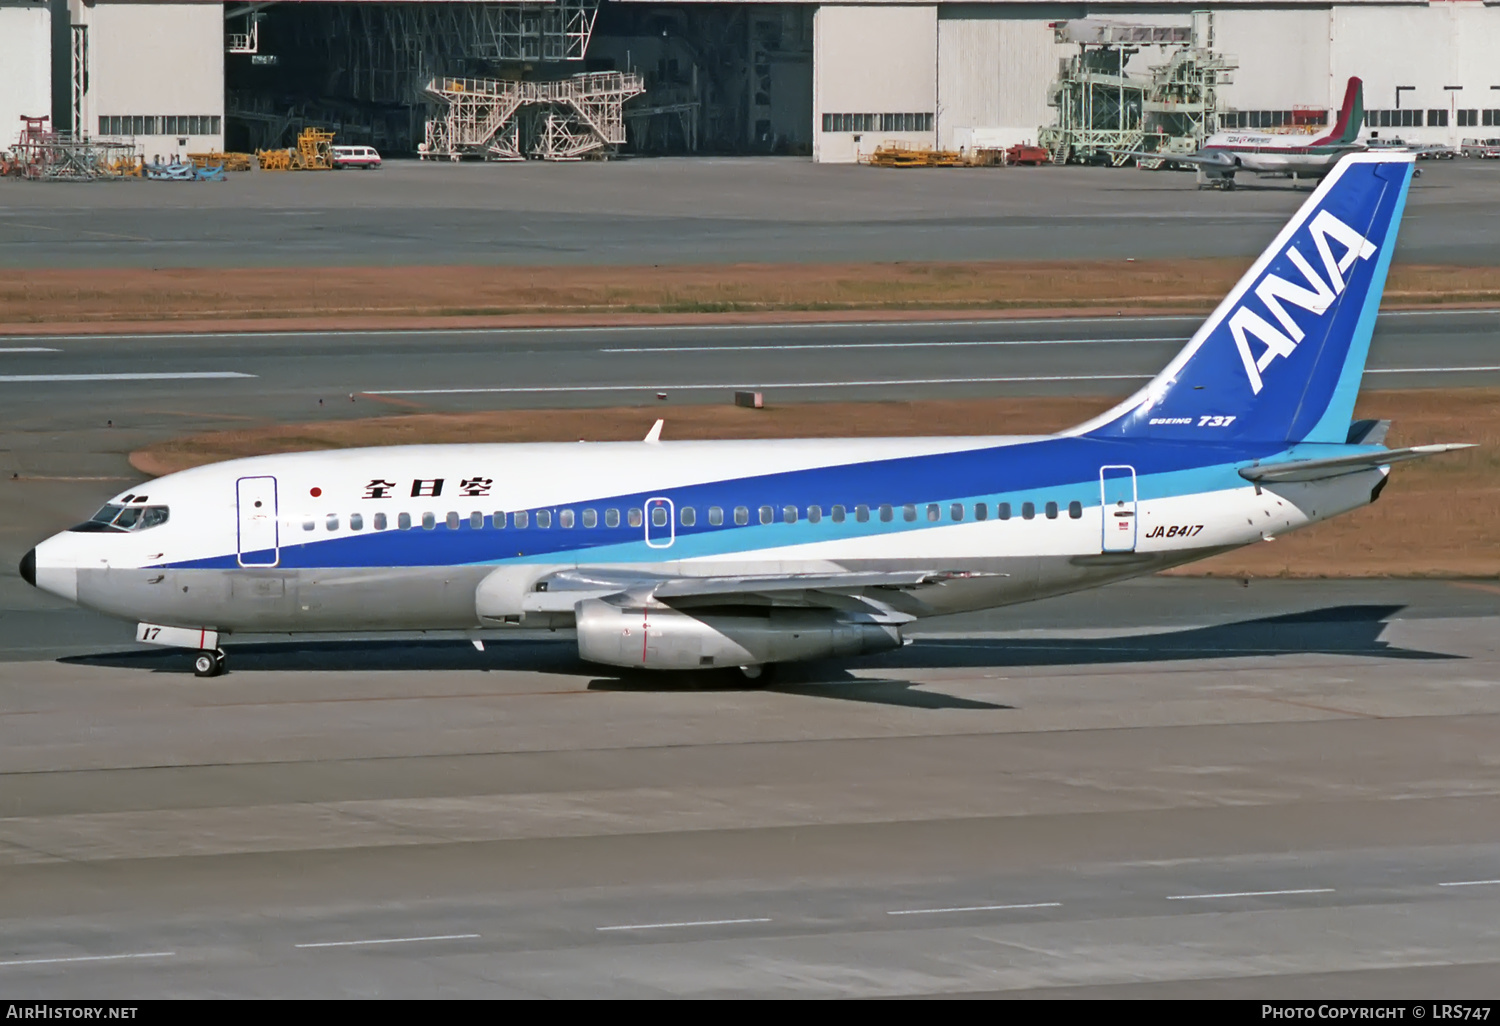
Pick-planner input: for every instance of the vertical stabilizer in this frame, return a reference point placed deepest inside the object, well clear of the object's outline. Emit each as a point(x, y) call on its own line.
point(1282, 356)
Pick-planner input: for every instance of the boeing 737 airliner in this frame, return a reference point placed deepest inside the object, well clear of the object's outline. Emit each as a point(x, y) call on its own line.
point(678, 555)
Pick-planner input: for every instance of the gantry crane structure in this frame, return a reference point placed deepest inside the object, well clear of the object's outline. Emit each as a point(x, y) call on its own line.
point(496, 119)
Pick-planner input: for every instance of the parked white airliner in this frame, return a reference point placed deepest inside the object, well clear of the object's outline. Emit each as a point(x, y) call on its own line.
point(678, 555)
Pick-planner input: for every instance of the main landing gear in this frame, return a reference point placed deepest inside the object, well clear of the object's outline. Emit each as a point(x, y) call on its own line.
point(208, 663)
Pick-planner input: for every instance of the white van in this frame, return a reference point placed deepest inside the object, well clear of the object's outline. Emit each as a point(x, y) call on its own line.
point(355, 156)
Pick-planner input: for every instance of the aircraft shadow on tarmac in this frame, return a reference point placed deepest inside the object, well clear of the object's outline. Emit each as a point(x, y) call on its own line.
point(1337, 630)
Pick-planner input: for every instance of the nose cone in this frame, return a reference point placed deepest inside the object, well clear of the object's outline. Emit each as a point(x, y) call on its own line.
point(52, 567)
point(28, 568)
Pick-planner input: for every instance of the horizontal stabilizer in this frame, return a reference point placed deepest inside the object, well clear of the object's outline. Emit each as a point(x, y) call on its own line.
point(1334, 466)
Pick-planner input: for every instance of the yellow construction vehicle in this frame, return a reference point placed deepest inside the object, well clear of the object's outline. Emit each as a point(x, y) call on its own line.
point(314, 151)
point(228, 161)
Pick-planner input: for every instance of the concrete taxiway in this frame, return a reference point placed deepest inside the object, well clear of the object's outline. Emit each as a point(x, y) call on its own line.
point(1164, 788)
point(695, 210)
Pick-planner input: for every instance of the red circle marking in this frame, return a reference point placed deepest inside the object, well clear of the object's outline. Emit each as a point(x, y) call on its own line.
point(317, 492)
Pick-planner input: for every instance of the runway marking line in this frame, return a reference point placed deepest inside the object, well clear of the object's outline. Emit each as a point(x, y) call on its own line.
point(390, 940)
point(30, 349)
point(888, 345)
point(668, 926)
point(705, 386)
point(138, 376)
point(1250, 894)
point(971, 908)
point(660, 328)
point(1468, 883)
point(90, 958)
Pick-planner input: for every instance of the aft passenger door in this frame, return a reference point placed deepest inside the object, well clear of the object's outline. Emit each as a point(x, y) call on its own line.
point(1117, 496)
point(259, 536)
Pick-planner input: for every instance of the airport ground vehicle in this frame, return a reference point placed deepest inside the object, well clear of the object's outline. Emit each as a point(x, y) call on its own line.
point(355, 156)
point(747, 553)
point(1484, 149)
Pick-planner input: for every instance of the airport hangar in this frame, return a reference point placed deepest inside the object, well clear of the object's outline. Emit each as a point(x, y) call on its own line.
point(833, 81)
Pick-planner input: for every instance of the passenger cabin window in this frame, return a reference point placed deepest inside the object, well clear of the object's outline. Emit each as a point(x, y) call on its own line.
point(452, 521)
point(1003, 511)
point(956, 512)
point(741, 515)
point(658, 516)
point(1051, 509)
point(837, 514)
point(544, 518)
point(789, 514)
point(590, 518)
point(332, 521)
point(814, 514)
point(611, 518)
point(1028, 511)
point(520, 518)
point(688, 516)
point(403, 521)
point(862, 514)
point(476, 521)
point(982, 510)
point(767, 514)
point(909, 513)
point(887, 514)
point(356, 522)
point(634, 517)
point(1075, 510)
point(565, 518)
point(309, 525)
point(429, 521)
point(715, 516)
point(379, 521)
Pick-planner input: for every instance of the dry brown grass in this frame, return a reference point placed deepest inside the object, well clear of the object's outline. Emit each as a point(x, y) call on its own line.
point(376, 295)
point(1439, 517)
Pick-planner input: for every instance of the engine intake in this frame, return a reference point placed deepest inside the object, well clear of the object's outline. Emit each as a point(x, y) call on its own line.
point(662, 638)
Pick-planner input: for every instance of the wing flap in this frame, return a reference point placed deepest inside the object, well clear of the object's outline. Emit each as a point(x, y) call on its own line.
point(1336, 466)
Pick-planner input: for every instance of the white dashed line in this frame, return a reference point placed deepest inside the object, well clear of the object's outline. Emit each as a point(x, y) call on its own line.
point(90, 958)
point(29, 349)
point(668, 926)
point(1249, 894)
point(145, 376)
point(1468, 883)
point(971, 908)
point(744, 384)
point(391, 940)
point(891, 345)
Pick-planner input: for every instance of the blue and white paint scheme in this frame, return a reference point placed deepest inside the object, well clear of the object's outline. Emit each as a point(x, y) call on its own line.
point(677, 555)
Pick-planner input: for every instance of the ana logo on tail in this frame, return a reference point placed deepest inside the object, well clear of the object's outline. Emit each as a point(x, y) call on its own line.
point(1316, 296)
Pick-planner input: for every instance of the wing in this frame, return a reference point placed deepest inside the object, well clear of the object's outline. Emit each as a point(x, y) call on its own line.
point(560, 591)
point(1335, 466)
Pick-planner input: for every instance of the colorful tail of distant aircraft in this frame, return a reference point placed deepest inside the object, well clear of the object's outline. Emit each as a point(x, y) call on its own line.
point(683, 555)
point(1225, 153)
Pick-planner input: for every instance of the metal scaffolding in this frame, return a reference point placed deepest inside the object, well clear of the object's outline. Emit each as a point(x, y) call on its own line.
point(493, 119)
point(1102, 111)
point(383, 53)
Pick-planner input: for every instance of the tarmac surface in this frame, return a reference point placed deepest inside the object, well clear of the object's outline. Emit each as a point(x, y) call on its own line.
point(697, 210)
point(1163, 788)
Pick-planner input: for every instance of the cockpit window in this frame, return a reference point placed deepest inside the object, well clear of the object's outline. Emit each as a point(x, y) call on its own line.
point(125, 518)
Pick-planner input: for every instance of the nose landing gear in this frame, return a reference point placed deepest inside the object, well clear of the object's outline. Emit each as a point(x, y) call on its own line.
point(208, 663)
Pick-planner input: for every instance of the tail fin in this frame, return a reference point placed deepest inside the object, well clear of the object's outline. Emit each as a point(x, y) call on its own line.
point(1282, 356)
point(1351, 117)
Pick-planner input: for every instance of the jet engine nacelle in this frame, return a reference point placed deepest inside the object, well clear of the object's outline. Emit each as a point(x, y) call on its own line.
point(662, 638)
